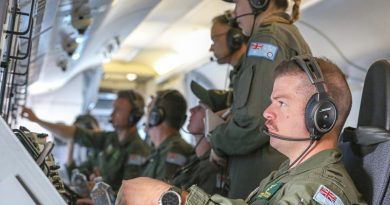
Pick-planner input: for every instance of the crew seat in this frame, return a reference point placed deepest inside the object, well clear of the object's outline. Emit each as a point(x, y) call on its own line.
point(366, 149)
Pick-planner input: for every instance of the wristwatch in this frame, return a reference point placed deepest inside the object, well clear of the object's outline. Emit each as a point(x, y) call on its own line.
point(171, 197)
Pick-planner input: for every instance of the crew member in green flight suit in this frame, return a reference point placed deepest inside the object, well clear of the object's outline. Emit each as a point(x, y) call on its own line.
point(166, 114)
point(200, 170)
point(228, 44)
point(273, 38)
point(310, 103)
point(122, 153)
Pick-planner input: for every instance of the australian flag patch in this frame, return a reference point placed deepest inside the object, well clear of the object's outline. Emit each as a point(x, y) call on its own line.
point(263, 50)
point(325, 196)
point(176, 158)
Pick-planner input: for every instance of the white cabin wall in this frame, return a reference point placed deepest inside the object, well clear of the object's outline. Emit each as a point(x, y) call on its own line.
point(59, 106)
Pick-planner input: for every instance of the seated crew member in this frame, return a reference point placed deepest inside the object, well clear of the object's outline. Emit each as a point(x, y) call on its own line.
point(165, 116)
point(304, 120)
point(122, 152)
point(200, 170)
point(75, 151)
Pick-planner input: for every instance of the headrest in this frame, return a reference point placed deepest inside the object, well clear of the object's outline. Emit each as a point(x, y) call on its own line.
point(365, 135)
point(375, 103)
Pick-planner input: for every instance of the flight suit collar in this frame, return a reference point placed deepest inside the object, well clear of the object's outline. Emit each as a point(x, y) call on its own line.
point(320, 159)
point(131, 137)
point(169, 140)
point(280, 17)
point(237, 67)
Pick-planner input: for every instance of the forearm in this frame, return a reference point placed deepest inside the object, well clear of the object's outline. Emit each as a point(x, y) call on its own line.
point(59, 130)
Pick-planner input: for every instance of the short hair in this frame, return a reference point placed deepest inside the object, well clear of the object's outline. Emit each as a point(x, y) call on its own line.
point(136, 101)
point(174, 105)
point(335, 84)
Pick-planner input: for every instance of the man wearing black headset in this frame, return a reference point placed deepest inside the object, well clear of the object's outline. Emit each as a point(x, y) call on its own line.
point(200, 170)
point(273, 38)
point(166, 114)
point(310, 103)
point(122, 152)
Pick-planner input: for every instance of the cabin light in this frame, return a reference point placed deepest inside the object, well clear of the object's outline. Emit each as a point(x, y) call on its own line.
point(167, 63)
point(131, 76)
point(76, 56)
point(80, 39)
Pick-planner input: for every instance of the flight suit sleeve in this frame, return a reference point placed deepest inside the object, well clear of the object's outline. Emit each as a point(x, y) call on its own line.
point(90, 139)
point(242, 135)
point(136, 160)
point(208, 177)
point(198, 197)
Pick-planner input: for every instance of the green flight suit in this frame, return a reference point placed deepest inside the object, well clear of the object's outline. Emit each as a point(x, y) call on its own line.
point(88, 165)
point(203, 173)
point(235, 72)
point(250, 156)
point(322, 179)
point(116, 161)
point(170, 156)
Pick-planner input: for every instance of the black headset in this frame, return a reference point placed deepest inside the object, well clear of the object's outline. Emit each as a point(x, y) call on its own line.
point(256, 4)
point(234, 37)
point(136, 111)
point(259, 5)
point(321, 111)
point(157, 113)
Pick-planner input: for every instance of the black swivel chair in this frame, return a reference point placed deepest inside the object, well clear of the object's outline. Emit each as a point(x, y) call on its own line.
point(366, 149)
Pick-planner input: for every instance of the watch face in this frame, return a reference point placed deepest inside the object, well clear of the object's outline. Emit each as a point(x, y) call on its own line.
point(170, 198)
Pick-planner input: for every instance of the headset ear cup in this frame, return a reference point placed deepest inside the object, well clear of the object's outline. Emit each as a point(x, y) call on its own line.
point(156, 116)
point(135, 116)
point(259, 4)
point(320, 115)
point(235, 39)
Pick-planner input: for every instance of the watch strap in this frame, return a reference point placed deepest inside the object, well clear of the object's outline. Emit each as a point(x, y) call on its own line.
point(197, 196)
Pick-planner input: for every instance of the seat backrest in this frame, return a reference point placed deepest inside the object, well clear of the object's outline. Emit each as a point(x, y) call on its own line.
point(375, 103)
point(366, 149)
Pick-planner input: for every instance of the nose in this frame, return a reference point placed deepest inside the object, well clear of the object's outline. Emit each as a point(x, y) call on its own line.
point(268, 114)
point(211, 49)
point(234, 13)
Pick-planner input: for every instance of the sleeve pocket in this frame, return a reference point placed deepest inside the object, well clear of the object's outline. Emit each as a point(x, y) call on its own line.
point(244, 87)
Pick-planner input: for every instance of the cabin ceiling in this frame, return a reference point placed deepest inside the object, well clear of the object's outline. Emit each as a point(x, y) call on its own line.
point(151, 38)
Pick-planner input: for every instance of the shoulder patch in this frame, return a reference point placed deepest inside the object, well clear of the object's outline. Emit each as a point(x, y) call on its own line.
point(263, 50)
point(136, 159)
point(176, 158)
point(270, 191)
point(325, 196)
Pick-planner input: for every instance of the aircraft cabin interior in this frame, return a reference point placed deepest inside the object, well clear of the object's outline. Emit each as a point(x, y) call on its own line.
point(63, 58)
